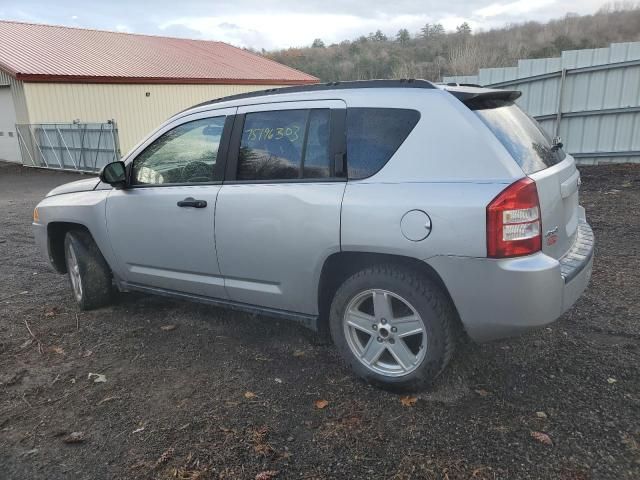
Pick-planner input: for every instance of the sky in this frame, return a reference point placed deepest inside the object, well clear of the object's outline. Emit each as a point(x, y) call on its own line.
point(274, 24)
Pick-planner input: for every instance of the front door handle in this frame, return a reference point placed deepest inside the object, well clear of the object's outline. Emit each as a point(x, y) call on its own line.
point(192, 202)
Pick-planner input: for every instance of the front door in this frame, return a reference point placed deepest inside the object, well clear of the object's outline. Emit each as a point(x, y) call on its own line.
point(278, 214)
point(162, 227)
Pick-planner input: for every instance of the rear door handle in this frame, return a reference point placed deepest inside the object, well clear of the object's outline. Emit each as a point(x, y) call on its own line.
point(192, 202)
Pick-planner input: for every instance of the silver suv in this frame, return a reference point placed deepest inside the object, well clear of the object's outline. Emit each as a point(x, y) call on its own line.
point(389, 214)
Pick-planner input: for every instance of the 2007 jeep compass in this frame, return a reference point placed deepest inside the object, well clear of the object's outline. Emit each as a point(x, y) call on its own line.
point(389, 213)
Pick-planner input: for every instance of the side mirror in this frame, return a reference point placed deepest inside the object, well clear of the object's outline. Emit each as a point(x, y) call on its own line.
point(115, 174)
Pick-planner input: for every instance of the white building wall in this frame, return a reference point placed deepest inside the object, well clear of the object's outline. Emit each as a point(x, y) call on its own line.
point(137, 108)
point(12, 110)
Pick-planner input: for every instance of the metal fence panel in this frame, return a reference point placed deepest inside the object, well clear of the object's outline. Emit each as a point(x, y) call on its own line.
point(85, 147)
point(594, 94)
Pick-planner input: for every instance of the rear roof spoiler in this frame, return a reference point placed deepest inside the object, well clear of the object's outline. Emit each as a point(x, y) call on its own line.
point(472, 95)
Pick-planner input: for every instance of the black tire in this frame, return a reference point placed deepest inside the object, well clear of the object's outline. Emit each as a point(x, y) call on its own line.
point(433, 306)
point(94, 273)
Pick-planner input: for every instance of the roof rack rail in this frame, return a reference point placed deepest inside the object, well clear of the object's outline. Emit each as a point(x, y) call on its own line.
point(315, 87)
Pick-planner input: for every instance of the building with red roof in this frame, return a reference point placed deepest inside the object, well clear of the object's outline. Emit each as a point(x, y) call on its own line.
point(56, 74)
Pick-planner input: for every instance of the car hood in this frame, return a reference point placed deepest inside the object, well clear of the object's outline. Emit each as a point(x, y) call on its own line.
point(85, 185)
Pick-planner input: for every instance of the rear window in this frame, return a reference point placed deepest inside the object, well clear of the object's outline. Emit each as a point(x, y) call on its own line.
point(521, 135)
point(374, 135)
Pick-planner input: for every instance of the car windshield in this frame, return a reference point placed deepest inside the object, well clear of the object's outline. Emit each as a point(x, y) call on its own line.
point(521, 135)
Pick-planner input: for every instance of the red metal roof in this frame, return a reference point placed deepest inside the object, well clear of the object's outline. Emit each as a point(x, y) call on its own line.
point(47, 53)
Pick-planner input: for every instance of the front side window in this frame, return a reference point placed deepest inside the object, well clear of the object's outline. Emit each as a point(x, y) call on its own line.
point(285, 145)
point(374, 135)
point(185, 154)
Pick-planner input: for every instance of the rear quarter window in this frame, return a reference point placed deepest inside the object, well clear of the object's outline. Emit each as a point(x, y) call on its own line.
point(521, 135)
point(374, 135)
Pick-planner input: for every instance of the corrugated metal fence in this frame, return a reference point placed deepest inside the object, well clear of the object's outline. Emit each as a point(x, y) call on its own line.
point(84, 147)
point(591, 98)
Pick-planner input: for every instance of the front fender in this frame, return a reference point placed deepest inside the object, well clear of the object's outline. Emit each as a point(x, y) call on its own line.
point(86, 209)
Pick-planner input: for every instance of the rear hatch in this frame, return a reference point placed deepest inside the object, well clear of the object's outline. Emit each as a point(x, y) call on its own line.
point(557, 179)
point(558, 194)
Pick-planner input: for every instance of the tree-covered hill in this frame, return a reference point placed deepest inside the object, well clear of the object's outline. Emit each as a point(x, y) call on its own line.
point(433, 52)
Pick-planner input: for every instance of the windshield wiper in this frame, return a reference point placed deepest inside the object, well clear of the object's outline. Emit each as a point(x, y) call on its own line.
point(557, 144)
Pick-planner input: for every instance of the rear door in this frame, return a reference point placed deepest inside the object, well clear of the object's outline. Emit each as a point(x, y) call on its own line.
point(557, 179)
point(278, 213)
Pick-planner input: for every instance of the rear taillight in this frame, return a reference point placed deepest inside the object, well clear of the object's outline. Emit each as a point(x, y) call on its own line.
point(513, 221)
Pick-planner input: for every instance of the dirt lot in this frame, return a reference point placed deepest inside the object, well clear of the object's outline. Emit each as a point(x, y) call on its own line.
point(229, 395)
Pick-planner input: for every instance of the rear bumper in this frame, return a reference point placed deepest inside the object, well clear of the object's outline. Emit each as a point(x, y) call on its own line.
point(502, 298)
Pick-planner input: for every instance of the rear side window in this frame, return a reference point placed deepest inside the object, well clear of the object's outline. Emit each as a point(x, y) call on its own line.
point(285, 145)
point(316, 158)
point(521, 135)
point(374, 135)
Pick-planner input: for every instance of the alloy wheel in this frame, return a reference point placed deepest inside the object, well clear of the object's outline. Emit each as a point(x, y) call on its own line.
point(385, 332)
point(74, 272)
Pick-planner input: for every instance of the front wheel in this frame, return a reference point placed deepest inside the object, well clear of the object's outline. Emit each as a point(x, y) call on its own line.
point(89, 273)
point(393, 326)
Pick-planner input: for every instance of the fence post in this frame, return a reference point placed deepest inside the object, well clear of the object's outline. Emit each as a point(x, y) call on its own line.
point(116, 141)
point(563, 75)
point(24, 147)
point(53, 150)
point(82, 159)
point(95, 161)
point(73, 161)
point(35, 139)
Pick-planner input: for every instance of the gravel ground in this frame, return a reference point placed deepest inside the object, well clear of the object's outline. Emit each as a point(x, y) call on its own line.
point(194, 391)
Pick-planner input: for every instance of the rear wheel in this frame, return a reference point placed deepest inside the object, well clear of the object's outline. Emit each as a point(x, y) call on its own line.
point(393, 326)
point(89, 273)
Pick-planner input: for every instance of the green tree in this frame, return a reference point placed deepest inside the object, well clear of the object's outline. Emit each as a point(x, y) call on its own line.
point(464, 29)
point(403, 36)
point(378, 36)
point(437, 29)
point(431, 30)
point(317, 43)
